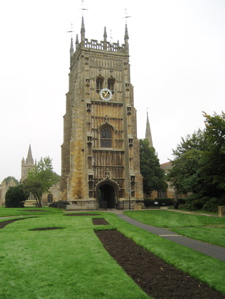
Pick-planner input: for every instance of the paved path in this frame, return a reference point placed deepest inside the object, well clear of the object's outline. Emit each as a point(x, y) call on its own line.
point(215, 251)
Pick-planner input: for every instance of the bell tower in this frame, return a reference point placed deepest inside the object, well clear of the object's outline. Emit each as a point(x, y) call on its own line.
point(100, 150)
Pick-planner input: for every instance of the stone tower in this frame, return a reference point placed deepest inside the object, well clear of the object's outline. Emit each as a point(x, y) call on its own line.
point(100, 150)
point(27, 164)
point(148, 134)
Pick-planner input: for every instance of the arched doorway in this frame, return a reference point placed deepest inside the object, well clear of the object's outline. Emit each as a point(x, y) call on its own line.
point(107, 199)
point(107, 194)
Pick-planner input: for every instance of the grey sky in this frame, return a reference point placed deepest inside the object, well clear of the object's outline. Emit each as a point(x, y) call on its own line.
point(177, 68)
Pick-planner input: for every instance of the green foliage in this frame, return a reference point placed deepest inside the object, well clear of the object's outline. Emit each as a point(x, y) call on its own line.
point(199, 165)
point(213, 157)
point(15, 197)
point(158, 202)
point(153, 176)
point(40, 179)
point(184, 174)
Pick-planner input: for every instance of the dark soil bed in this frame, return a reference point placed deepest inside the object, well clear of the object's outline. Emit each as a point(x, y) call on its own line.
point(46, 228)
point(4, 223)
point(81, 214)
point(99, 221)
point(35, 211)
point(157, 278)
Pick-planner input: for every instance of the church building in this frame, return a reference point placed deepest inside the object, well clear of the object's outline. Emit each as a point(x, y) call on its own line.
point(100, 150)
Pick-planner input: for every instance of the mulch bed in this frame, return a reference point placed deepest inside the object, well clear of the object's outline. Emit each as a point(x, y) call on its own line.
point(4, 223)
point(81, 214)
point(157, 278)
point(46, 228)
point(99, 221)
point(35, 211)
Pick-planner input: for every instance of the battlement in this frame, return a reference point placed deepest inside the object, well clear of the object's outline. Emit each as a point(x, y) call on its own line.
point(102, 45)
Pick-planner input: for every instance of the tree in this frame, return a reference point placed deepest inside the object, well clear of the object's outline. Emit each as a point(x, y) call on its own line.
point(199, 165)
point(153, 176)
point(15, 197)
point(213, 158)
point(185, 173)
point(40, 179)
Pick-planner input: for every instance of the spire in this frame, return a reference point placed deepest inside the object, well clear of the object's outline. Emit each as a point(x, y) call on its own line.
point(29, 159)
point(126, 38)
point(105, 39)
point(148, 134)
point(77, 41)
point(82, 31)
point(71, 47)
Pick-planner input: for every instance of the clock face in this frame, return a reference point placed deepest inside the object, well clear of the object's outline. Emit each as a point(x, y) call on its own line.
point(106, 94)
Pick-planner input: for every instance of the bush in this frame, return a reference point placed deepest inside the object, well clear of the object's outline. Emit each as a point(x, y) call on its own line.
point(148, 202)
point(212, 204)
point(158, 202)
point(205, 202)
point(15, 197)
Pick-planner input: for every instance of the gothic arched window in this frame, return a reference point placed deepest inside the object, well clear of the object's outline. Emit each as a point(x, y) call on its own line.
point(99, 83)
point(111, 82)
point(106, 137)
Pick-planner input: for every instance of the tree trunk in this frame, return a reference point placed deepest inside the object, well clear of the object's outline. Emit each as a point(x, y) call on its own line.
point(39, 201)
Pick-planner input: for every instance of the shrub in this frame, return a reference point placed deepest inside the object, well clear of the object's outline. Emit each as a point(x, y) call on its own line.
point(212, 204)
point(158, 202)
point(15, 197)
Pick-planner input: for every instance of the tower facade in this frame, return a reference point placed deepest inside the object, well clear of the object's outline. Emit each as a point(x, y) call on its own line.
point(100, 150)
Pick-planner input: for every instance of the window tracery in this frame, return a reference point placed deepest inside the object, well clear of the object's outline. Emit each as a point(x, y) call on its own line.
point(106, 137)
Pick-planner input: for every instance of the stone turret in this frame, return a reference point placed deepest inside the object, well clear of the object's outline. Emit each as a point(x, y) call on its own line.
point(82, 32)
point(126, 39)
point(105, 39)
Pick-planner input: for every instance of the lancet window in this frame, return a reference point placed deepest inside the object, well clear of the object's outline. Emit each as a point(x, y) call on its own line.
point(106, 137)
point(111, 83)
point(99, 83)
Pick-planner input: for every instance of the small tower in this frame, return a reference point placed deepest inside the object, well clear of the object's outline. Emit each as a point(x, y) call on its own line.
point(148, 134)
point(27, 164)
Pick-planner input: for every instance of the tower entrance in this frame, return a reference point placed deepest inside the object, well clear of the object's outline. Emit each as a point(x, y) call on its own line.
point(107, 194)
point(107, 197)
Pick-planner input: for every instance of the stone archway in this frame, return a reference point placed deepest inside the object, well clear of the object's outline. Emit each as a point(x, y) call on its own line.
point(107, 194)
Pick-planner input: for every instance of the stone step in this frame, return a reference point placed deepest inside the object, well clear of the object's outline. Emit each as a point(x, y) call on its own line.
point(30, 203)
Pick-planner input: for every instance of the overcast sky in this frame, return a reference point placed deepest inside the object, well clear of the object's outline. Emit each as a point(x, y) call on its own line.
point(177, 57)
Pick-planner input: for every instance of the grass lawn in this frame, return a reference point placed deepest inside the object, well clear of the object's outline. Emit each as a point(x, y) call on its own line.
point(5, 212)
point(204, 228)
point(65, 263)
point(72, 263)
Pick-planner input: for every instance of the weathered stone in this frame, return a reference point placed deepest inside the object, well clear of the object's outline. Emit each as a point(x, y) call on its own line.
point(100, 151)
point(221, 211)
